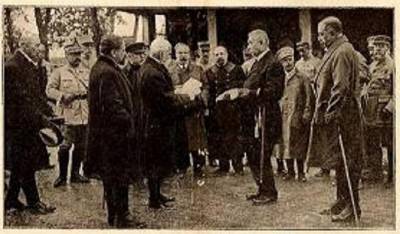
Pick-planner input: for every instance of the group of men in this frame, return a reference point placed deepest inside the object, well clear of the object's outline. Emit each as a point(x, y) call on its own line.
point(124, 112)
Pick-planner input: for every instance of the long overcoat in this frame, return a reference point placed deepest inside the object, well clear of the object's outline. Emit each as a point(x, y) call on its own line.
point(161, 107)
point(111, 127)
point(195, 126)
point(297, 104)
point(337, 107)
point(25, 106)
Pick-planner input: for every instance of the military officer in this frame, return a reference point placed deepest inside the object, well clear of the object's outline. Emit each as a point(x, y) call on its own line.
point(377, 104)
point(204, 55)
point(68, 86)
point(224, 128)
point(296, 114)
point(308, 64)
point(89, 51)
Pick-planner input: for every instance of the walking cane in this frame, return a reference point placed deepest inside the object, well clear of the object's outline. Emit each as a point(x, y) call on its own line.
point(262, 144)
point(310, 142)
point(346, 169)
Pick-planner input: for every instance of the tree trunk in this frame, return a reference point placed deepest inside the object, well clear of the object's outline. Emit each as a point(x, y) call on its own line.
point(10, 40)
point(96, 29)
point(42, 21)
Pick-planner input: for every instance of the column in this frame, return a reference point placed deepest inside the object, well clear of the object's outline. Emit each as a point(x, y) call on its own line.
point(305, 25)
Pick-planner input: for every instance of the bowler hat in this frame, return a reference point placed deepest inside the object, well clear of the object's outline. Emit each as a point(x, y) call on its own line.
point(51, 135)
point(135, 47)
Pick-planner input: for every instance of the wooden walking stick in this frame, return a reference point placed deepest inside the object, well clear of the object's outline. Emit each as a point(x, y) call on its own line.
point(262, 156)
point(346, 169)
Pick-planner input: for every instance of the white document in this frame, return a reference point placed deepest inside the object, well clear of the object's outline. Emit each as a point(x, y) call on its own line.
point(231, 93)
point(192, 87)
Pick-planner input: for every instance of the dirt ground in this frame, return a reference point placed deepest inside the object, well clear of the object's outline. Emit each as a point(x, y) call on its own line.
point(218, 204)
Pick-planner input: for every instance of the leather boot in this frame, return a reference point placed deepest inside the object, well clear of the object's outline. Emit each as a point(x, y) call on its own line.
point(63, 157)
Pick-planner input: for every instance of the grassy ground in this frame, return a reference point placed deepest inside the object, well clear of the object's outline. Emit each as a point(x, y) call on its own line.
point(218, 204)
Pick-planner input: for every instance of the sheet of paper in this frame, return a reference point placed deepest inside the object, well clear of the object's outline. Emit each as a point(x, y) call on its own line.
point(192, 87)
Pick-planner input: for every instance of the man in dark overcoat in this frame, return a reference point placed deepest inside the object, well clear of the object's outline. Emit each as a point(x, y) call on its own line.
point(25, 110)
point(337, 113)
point(161, 106)
point(265, 82)
point(224, 126)
point(111, 133)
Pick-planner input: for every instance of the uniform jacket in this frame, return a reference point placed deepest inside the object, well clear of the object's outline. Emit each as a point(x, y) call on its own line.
point(161, 107)
point(297, 104)
point(224, 115)
point(69, 80)
point(111, 127)
point(266, 82)
point(195, 126)
point(25, 106)
point(336, 103)
point(378, 93)
point(308, 67)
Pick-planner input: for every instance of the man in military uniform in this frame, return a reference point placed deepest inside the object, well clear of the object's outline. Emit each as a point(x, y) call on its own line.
point(204, 55)
point(377, 103)
point(308, 64)
point(89, 51)
point(224, 128)
point(189, 127)
point(68, 86)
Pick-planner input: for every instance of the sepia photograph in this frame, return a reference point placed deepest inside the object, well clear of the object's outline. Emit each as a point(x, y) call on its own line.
point(198, 117)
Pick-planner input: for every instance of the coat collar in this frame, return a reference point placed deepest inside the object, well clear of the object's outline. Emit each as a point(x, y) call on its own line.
point(26, 57)
point(110, 61)
point(229, 66)
point(332, 48)
point(262, 62)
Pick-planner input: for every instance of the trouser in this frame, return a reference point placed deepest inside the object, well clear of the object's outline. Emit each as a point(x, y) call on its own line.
point(154, 189)
point(375, 139)
point(117, 200)
point(73, 134)
point(267, 185)
point(27, 182)
point(290, 166)
point(230, 149)
point(180, 149)
point(198, 161)
point(280, 167)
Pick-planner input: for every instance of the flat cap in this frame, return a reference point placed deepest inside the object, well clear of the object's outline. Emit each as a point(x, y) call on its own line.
point(284, 52)
point(135, 47)
point(71, 46)
point(382, 39)
point(86, 39)
point(203, 45)
point(302, 44)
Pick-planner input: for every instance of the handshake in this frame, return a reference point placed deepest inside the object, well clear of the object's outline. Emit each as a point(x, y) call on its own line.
point(233, 94)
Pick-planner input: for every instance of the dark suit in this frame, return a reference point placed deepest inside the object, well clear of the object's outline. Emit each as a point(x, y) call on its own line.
point(266, 82)
point(161, 107)
point(25, 105)
point(111, 143)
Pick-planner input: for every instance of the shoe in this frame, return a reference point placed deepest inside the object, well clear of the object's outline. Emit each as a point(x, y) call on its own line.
point(17, 204)
point(129, 221)
point(60, 181)
point(347, 215)
point(219, 173)
point(155, 205)
point(165, 199)
point(322, 173)
point(40, 208)
point(250, 197)
point(48, 167)
point(335, 208)
point(302, 178)
point(213, 163)
point(264, 200)
point(288, 177)
point(79, 179)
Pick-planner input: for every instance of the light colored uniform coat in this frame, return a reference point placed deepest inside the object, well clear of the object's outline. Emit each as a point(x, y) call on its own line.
point(69, 80)
point(296, 105)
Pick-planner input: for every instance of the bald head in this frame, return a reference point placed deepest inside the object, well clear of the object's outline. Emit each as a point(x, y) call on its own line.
point(160, 49)
point(257, 41)
point(329, 29)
